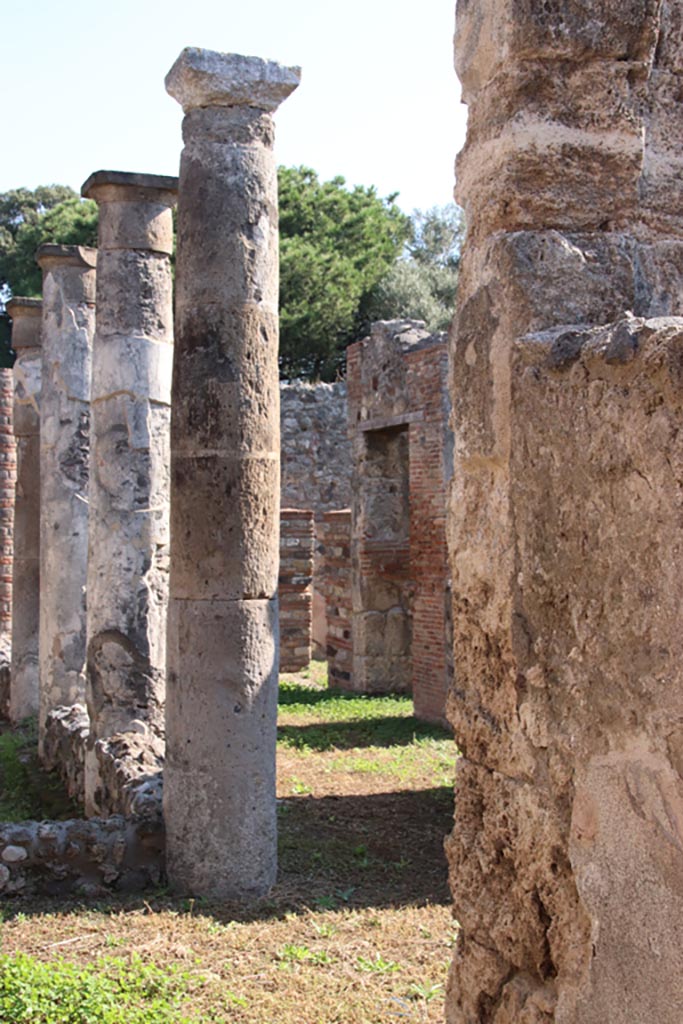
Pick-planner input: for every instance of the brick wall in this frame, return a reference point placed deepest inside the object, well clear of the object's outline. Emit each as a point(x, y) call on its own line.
point(297, 540)
point(398, 405)
point(335, 584)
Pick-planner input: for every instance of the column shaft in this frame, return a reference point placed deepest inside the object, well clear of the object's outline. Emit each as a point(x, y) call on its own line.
point(129, 458)
point(68, 327)
point(26, 315)
point(219, 785)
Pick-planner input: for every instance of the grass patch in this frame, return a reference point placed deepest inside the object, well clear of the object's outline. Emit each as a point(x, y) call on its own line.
point(107, 992)
point(26, 790)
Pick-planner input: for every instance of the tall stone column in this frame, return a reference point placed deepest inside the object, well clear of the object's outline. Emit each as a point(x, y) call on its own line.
point(8, 478)
point(26, 317)
point(68, 328)
point(129, 457)
point(219, 783)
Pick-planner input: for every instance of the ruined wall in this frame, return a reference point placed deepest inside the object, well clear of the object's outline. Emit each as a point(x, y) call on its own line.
point(398, 424)
point(316, 464)
point(316, 454)
point(564, 518)
point(295, 587)
point(335, 586)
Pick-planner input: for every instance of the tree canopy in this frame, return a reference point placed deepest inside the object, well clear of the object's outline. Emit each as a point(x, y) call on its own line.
point(422, 284)
point(50, 213)
point(347, 257)
point(335, 245)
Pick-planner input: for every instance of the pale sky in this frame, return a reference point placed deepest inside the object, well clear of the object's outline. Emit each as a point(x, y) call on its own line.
point(83, 87)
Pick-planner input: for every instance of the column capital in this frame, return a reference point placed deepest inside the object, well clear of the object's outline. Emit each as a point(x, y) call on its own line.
point(205, 78)
point(18, 306)
point(50, 254)
point(124, 186)
point(26, 320)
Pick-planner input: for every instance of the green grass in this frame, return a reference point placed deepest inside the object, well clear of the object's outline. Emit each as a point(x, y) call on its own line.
point(108, 991)
point(318, 720)
point(26, 791)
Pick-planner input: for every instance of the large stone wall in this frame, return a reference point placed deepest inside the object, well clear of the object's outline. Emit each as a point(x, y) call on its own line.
point(565, 533)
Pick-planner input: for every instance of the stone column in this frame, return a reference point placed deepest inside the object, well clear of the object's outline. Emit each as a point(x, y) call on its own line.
point(8, 478)
point(129, 456)
point(68, 328)
point(219, 784)
point(26, 314)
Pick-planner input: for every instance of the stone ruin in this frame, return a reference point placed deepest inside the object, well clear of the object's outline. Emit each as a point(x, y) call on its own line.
point(564, 516)
point(556, 486)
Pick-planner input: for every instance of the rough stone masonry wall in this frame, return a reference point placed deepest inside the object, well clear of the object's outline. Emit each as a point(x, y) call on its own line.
point(316, 453)
point(316, 464)
point(335, 585)
point(565, 534)
point(398, 423)
point(295, 585)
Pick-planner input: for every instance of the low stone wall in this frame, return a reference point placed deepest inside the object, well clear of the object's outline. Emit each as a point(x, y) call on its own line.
point(77, 857)
point(66, 736)
point(297, 538)
point(335, 584)
point(130, 770)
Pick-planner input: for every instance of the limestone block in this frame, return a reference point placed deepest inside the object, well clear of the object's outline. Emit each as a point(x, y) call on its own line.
point(137, 210)
point(204, 78)
point(491, 34)
point(222, 841)
point(139, 295)
point(232, 551)
point(538, 157)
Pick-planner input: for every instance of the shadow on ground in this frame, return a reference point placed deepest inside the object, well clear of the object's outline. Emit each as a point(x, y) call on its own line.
point(389, 731)
point(383, 850)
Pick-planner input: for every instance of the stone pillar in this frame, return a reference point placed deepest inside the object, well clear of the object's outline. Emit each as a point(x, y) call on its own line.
point(68, 328)
point(26, 314)
point(130, 411)
point(219, 779)
point(8, 477)
point(564, 520)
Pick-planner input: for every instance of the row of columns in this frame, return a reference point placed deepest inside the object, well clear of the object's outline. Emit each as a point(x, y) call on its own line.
point(106, 468)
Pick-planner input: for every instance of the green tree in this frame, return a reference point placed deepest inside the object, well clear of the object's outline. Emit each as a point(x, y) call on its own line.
point(50, 213)
point(335, 245)
point(422, 284)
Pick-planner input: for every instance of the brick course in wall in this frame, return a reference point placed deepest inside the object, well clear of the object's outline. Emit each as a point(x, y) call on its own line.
point(335, 584)
point(297, 539)
point(402, 446)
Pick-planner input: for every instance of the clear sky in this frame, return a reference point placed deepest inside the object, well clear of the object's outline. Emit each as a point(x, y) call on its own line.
point(83, 87)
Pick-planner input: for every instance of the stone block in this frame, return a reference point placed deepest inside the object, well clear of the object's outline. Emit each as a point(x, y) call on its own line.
point(492, 34)
point(231, 550)
point(222, 838)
